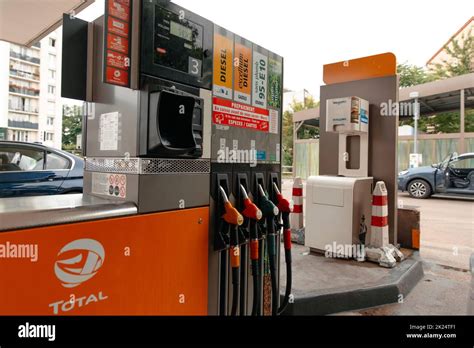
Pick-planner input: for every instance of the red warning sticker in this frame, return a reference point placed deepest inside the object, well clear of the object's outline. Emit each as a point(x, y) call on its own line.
point(117, 52)
point(229, 113)
point(119, 9)
point(117, 60)
point(118, 27)
point(116, 76)
point(117, 43)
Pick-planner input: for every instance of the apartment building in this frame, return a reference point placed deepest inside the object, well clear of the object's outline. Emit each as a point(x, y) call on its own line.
point(30, 91)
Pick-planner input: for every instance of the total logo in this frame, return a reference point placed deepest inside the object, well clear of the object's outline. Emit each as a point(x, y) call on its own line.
point(77, 262)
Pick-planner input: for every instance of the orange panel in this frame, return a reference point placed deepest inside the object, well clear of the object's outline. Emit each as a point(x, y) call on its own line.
point(360, 69)
point(154, 264)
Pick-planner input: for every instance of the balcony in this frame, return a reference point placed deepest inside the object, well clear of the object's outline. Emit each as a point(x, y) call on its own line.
point(25, 110)
point(24, 90)
point(24, 74)
point(22, 124)
point(24, 57)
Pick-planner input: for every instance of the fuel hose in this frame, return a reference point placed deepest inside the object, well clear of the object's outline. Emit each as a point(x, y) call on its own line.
point(234, 219)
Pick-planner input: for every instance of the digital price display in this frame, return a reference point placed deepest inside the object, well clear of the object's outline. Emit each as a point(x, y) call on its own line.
point(178, 42)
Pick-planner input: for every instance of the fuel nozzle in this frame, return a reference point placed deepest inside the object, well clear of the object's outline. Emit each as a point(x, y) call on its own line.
point(254, 214)
point(266, 205)
point(250, 211)
point(234, 219)
point(285, 208)
point(231, 215)
point(283, 205)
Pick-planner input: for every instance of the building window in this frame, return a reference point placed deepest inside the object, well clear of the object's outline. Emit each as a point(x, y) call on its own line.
point(50, 121)
point(51, 89)
point(48, 136)
point(52, 74)
point(51, 108)
point(52, 61)
point(52, 42)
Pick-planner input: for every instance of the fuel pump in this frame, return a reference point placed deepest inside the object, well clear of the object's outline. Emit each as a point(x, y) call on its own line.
point(254, 214)
point(234, 219)
point(269, 212)
point(285, 209)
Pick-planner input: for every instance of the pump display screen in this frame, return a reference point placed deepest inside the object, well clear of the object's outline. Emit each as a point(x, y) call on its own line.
point(178, 42)
point(181, 31)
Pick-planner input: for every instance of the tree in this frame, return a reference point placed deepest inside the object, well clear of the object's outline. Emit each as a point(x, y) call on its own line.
point(460, 59)
point(411, 75)
point(72, 125)
point(305, 132)
point(459, 62)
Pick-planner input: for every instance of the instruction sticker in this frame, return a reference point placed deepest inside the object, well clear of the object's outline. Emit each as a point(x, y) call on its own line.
point(118, 27)
point(117, 43)
point(226, 112)
point(112, 185)
point(242, 73)
point(260, 75)
point(109, 131)
point(223, 52)
point(274, 123)
point(117, 60)
point(119, 9)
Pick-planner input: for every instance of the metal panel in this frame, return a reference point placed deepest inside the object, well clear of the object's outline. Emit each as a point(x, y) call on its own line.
point(74, 68)
point(28, 212)
point(107, 99)
point(171, 192)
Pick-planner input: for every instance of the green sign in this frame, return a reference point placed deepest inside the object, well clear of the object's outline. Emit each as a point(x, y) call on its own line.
point(274, 82)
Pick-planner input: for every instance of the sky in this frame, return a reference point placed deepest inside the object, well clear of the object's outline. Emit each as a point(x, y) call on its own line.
point(311, 33)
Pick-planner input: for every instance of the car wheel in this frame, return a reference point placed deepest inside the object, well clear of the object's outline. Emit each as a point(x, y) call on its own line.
point(419, 189)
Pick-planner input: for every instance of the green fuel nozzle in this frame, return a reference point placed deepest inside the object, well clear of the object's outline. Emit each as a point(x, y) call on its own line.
point(266, 205)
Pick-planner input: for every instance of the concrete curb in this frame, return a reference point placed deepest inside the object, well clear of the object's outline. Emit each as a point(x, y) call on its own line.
point(401, 280)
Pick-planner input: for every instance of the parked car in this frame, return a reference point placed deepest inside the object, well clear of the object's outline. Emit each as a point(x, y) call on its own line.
point(454, 176)
point(28, 169)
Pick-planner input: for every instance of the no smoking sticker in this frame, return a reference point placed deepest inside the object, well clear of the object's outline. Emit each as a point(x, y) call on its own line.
point(111, 185)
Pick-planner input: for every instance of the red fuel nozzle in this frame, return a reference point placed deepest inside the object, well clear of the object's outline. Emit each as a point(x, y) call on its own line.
point(250, 211)
point(283, 204)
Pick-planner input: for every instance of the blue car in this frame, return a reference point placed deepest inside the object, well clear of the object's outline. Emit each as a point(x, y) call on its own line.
point(28, 169)
point(453, 176)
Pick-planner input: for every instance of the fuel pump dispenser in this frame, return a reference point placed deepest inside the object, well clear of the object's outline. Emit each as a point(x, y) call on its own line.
point(182, 118)
point(182, 114)
point(247, 87)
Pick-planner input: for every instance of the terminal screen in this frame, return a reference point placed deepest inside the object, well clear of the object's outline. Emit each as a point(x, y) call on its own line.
point(178, 42)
